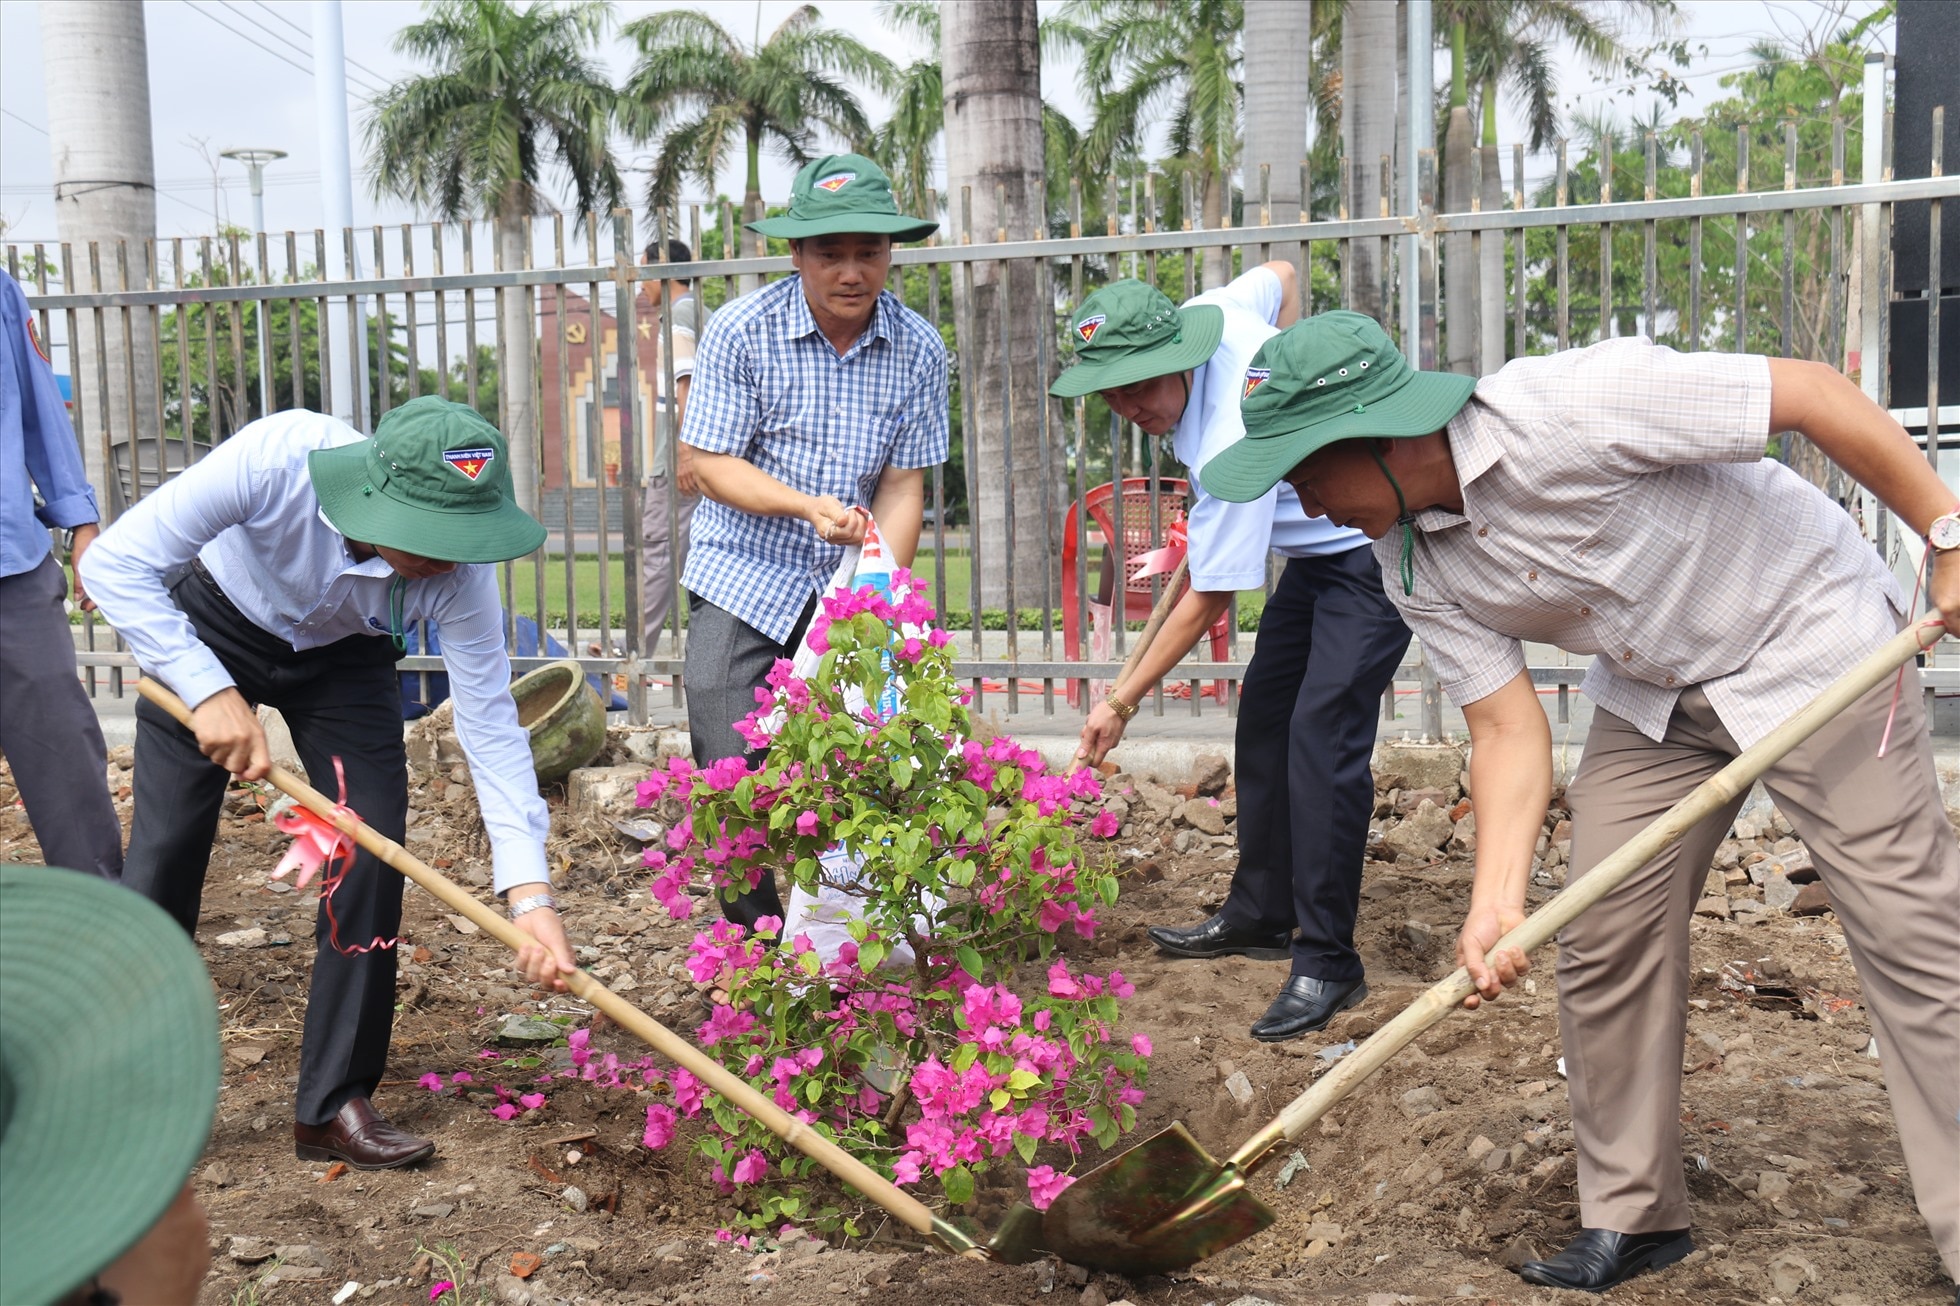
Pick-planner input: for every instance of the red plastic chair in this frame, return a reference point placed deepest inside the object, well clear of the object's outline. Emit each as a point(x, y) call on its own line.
point(1140, 534)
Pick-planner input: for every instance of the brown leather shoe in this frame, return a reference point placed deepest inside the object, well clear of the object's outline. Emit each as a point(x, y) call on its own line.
point(362, 1137)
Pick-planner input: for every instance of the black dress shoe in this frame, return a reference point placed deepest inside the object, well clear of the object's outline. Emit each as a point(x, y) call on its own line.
point(362, 1137)
point(1217, 937)
point(1306, 1004)
point(1599, 1258)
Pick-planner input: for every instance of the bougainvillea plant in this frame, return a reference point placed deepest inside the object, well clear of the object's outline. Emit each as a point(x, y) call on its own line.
point(941, 1030)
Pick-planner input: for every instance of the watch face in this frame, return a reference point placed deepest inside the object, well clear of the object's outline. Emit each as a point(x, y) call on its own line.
point(1946, 532)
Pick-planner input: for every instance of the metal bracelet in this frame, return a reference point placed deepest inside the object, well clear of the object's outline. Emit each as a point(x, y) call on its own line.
point(531, 903)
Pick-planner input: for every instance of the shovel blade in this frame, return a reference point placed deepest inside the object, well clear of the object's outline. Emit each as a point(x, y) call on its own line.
point(1164, 1204)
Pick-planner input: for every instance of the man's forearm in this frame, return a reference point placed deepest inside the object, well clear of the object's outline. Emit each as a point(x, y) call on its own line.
point(1190, 617)
point(899, 508)
point(1511, 786)
point(1859, 436)
point(740, 484)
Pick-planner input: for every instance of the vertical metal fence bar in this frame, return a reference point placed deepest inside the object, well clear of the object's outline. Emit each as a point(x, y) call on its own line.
point(1608, 325)
point(1694, 243)
point(355, 328)
point(320, 319)
point(180, 321)
point(1650, 265)
point(1080, 491)
point(625, 310)
point(1004, 312)
point(934, 271)
point(383, 334)
point(1789, 322)
point(1742, 243)
point(1044, 293)
point(132, 424)
point(507, 572)
point(1389, 249)
point(569, 540)
point(235, 319)
point(264, 333)
point(293, 357)
point(669, 471)
point(1934, 285)
point(963, 331)
point(411, 332)
point(1520, 198)
point(595, 433)
point(152, 280)
point(1835, 352)
point(1344, 247)
point(1564, 336)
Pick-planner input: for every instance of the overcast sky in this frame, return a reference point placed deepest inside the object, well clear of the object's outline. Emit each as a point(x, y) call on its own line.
point(264, 95)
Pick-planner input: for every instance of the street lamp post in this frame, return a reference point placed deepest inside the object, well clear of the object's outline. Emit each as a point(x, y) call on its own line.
point(255, 161)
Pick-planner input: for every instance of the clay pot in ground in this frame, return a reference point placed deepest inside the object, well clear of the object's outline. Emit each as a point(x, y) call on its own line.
point(564, 717)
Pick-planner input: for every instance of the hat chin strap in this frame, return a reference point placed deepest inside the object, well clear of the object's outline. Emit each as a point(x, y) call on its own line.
point(1407, 521)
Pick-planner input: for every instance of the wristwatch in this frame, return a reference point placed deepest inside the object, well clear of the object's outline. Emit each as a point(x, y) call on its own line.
point(1944, 533)
point(532, 902)
point(1124, 711)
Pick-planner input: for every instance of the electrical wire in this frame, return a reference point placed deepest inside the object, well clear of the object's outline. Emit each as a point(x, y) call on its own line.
point(384, 80)
point(24, 121)
point(305, 51)
point(290, 62)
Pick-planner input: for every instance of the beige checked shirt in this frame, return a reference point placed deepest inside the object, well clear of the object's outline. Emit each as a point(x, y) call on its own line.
point(1616, 502)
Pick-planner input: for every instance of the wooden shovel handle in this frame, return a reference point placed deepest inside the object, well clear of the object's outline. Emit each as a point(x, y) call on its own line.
point(1729, 783)
point(903, 1207)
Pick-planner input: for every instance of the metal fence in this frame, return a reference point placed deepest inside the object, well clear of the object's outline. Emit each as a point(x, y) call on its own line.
point(172, 345)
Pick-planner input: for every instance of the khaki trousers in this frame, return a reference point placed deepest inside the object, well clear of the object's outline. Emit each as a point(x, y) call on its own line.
point(1878, 833)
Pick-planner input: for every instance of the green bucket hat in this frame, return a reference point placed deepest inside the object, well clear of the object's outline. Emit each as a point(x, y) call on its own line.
point(1335, 376)
point(1128, 332)
point(433, 480)
point(108, 1074)
point(843, 193)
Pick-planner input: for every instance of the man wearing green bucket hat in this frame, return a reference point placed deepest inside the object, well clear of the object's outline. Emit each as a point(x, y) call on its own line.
point(1328, 641)
point(1615, 501)
point(285, 568)
point(812, 396)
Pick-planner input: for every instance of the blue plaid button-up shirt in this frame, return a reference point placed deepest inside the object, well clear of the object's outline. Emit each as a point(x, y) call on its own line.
point(768, 388)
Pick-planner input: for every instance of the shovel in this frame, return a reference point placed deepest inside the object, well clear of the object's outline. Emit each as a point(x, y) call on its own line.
point(1158, 613)
point(1167, 1203)
point(1012, 1243)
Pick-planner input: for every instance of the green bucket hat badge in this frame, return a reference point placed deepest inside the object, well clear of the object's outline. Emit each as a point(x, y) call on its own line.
point(1129, 331)
point(433, 480)
point(1335, 376)
point(843, 193)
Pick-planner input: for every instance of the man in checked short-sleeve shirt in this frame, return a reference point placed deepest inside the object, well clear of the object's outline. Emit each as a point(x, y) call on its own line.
point(814, 396)
point(1615, 501)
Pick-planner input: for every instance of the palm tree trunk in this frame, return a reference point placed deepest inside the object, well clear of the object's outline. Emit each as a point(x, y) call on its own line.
point(1278, 97)
point(1213, 212)
point(991, 55)
point(753, 209)
point(98, 81)
point(518, 377)
point(1368, 108)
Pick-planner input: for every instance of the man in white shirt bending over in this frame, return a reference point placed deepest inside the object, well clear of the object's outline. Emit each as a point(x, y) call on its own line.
point(285, 569)
point(1329, 640)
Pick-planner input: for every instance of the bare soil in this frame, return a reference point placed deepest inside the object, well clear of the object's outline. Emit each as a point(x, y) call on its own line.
point(1453, 1164)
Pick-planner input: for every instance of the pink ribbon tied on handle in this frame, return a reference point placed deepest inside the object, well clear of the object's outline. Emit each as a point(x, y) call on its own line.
point(1162, 562)
point(324, 849)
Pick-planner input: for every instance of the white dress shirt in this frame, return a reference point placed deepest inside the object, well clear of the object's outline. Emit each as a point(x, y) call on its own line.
point(249, 512)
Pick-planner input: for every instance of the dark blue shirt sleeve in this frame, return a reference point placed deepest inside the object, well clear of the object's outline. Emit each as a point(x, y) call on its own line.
point(54, 460)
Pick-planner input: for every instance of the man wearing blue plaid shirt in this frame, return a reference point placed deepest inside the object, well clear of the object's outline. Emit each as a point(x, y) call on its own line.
point(812, 396)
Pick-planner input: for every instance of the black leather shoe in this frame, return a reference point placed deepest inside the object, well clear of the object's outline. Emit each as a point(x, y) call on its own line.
point(362, 1137)
point(1599, 1258)
point(1219, 938)
point(1306, 1004)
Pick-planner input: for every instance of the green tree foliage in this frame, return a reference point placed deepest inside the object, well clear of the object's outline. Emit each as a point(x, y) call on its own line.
point(1805, 91)
point(700, 92)
point(512, 91)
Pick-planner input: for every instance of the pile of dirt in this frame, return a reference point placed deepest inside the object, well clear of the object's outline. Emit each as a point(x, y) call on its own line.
point(1452, 1164)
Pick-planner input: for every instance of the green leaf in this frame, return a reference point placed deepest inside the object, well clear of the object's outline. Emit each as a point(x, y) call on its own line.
point(999, 1098)
point(970, 962)
point(958, 1183)
point(1025, 1145)
point(1021, 1080)
point(871, 953)
point(967, 1054)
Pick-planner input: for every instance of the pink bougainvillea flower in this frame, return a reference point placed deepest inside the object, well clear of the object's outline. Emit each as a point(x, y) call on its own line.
point(751, 1168)
point(504, 1111)
point(532, 1101)
point(806, 824)
point(1104, 825)
point(660, 1126)
point(688, 1092)
point(431, 1081)
point(462, 1077)
point(439, 1287)
point(1140, 1044)
point(1044, 1185)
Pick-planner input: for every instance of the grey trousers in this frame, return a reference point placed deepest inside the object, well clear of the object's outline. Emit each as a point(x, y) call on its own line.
point(1879, 835)
point(48, 728)
point(664, 554)
point(727, 660)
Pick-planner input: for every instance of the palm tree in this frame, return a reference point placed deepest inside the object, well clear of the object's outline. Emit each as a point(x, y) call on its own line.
point(700, 91)
point(510, 91)
point(1179, 54)
point(1368, 100)
point(1280, 86)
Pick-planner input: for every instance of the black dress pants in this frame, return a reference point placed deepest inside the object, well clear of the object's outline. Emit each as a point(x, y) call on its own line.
point(1329, 642)
point(340, 701)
